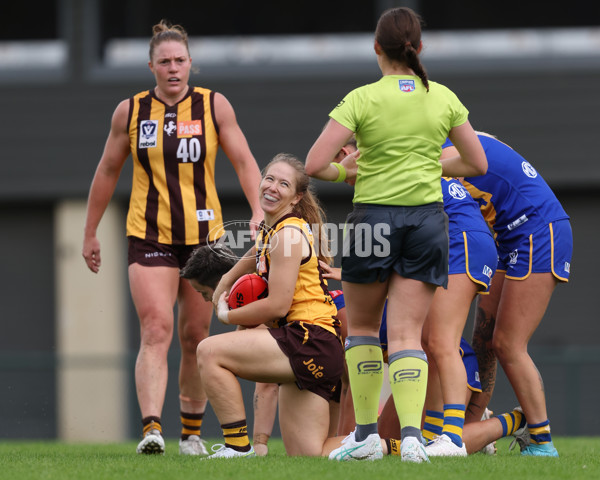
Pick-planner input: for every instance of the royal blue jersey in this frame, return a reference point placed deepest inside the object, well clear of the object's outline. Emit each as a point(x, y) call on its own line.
point(513, 197)
point(462, 210)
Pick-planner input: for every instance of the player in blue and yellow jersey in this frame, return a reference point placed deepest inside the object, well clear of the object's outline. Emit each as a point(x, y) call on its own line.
point(472, 263)
point(400, 123)
point(173, 133)
point(535, 244)
point(302, 349)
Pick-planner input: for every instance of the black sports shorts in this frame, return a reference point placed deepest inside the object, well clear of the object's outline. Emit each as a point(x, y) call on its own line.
point(412, 241)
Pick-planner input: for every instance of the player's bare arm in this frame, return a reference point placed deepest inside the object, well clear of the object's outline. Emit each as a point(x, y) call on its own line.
point(116, 151)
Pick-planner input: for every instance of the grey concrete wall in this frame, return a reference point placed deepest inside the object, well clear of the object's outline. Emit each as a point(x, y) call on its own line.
point(53, 136)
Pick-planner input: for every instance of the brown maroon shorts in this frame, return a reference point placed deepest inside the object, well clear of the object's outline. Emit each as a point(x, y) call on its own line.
point(154, 254)
point(316, 357)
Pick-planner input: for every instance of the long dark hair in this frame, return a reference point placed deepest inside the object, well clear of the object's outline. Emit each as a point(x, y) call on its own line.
point(398, 33)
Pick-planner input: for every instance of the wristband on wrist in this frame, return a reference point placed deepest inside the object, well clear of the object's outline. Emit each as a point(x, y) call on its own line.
point(341, 172)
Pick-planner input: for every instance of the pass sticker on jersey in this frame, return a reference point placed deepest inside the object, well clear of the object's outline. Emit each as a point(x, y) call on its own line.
point(261, 265)
point(406, 86)
point(148, 131)
point(189, 128)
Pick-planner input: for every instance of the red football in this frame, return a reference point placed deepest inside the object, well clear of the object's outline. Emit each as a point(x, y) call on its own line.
point(247, 289)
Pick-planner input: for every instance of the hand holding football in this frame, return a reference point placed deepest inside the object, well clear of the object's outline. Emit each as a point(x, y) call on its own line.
point(247, 289)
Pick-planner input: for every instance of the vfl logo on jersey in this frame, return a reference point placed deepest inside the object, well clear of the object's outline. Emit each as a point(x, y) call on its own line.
point(340, 104)
point(189, 128)
point(567, 267)
point(406, 374)
point(148, 131)
point(457, 191)
point(528, 169)
point(513, 257)
point(370, 366)
point(406, 86)
point(170, 128)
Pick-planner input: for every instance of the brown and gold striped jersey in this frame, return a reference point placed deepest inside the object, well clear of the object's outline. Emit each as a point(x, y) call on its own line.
point(312, 302)
point(173, 196)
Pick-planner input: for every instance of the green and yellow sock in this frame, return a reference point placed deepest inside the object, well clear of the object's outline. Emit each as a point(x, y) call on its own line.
point(236, 435)
point(408, 372)
point(190, 424)
point(365, 371)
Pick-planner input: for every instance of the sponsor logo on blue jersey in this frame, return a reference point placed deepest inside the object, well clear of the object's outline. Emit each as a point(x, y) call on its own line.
point(487, 271)
point(406, 86)
point(518, 222)
point(457, 191)
point(528, 169)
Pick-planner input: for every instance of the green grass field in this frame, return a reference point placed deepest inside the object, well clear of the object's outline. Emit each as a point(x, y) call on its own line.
point(580, 458)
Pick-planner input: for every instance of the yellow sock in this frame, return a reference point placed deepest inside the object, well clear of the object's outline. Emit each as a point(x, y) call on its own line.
point(393, 446)
point(236, 435)
point(365, 371)
point(190, 424)
point(151, 423)
point(408, 381)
